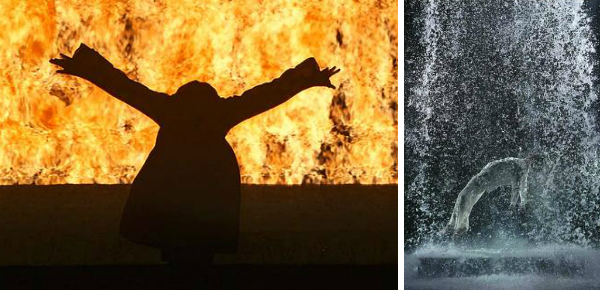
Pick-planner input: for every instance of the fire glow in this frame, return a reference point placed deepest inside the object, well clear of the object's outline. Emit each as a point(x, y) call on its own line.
point(57, 129)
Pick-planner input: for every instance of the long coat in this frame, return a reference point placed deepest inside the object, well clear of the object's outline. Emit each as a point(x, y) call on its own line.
point(187, 194)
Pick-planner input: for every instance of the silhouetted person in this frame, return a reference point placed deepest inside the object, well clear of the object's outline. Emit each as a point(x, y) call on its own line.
point(186, 198)
point(508, 171)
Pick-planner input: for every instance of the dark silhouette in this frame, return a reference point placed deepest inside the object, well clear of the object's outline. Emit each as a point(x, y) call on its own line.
point(186, 198)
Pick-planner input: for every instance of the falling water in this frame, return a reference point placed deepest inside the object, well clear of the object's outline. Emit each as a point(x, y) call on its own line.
point(493, 79)
point(499, 79)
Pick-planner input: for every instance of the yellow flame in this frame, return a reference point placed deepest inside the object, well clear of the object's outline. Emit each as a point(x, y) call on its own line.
point(61, 129)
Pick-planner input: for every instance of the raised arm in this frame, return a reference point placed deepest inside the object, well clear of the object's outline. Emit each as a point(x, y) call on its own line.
point(88, 64)
point(269, 95)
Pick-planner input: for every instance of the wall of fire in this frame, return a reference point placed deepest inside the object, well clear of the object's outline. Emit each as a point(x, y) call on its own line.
point(57, 129)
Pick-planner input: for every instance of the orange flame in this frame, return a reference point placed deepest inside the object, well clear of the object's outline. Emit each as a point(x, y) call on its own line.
point(59, 129)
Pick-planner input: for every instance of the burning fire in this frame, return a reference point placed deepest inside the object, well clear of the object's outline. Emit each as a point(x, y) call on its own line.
point(58, 129)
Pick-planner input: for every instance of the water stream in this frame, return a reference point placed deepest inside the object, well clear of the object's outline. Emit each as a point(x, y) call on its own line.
point(496, 79)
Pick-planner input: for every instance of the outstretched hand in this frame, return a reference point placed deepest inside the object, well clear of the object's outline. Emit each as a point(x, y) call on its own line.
point(310, 68)
point(83, 63)
point(322, 77)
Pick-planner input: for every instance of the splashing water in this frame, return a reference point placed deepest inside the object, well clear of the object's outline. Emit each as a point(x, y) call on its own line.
point(498, 79)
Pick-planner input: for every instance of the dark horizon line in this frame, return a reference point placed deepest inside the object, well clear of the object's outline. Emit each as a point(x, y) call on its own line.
point(243, 184)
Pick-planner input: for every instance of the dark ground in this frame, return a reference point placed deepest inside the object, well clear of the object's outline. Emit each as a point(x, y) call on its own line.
point(291, 237)
point(221, 277)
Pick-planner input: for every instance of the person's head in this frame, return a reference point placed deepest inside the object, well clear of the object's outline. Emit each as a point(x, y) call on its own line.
point(196, 92)
point(195, 99)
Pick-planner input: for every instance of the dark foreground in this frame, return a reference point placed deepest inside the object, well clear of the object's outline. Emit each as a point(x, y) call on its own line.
point(219, 277)
point(348, 234)
point(294, 225)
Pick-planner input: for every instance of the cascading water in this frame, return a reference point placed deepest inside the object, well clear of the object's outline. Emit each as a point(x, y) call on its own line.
point(487, 80)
